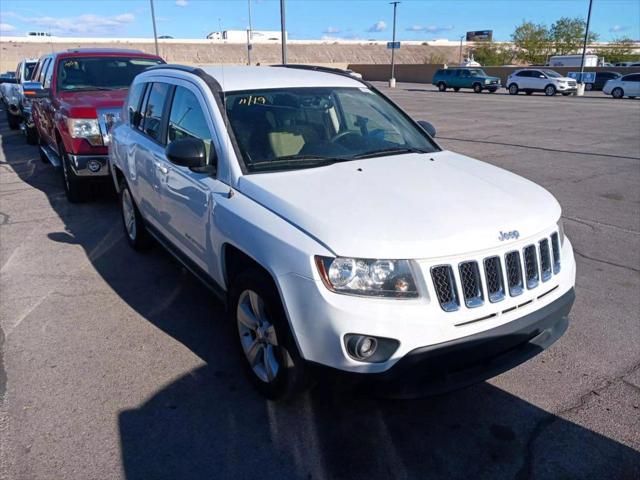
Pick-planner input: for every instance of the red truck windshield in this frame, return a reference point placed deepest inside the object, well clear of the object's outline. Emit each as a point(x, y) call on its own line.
point(100, 73)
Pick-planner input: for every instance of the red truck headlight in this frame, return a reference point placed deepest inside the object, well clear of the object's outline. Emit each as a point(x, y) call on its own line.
point(87, 128)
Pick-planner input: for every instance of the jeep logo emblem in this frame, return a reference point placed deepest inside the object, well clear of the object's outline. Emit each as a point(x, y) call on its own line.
point(512, 235)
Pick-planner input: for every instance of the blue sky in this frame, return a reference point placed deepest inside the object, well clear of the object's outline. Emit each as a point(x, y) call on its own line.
point(310, 19)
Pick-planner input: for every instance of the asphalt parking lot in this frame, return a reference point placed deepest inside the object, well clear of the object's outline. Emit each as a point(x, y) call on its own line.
point(120, 365)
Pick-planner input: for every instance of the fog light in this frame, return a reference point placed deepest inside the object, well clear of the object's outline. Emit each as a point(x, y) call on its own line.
point(94, 166)
point(365, 348)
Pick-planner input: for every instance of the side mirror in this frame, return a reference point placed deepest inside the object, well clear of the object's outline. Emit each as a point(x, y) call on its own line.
point(35, 90)
point(427, 127)
point(187, 152)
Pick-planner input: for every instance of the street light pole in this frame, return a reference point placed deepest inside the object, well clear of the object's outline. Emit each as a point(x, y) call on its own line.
point(392, 80)
point(580, 91)
point(153, 20)
point(283, 30)
point(249, 36)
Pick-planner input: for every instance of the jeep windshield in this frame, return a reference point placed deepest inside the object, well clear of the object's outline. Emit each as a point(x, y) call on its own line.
point(294, 128)
point(100, 73)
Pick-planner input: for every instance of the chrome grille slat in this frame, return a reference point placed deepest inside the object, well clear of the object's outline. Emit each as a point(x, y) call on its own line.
point(545, 260)
point(514, 273)
point(531, 266)
point(494, 279)
point(471, 284)
point(445, 286)
point(555, 247)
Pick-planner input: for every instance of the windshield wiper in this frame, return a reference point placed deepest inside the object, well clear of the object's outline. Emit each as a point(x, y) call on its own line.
point(390, 151)
point(315, 160)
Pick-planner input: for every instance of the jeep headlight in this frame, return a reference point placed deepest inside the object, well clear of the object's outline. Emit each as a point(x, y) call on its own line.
point(87, 128)
point(561, 231)
point(368, 277)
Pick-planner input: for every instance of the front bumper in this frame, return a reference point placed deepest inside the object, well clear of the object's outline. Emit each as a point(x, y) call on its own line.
point(487, 86)
point(90, 165)
point(462, 362)
point(567, 88)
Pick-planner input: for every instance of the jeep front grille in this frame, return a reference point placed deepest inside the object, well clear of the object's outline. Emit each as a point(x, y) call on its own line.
point(445, 285)
point(523, 269)
point(471, 284)
point(493, 275)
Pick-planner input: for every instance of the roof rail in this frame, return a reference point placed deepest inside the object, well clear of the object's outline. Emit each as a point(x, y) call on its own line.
point(176, 66)
point(97, 50)
point(315, 68)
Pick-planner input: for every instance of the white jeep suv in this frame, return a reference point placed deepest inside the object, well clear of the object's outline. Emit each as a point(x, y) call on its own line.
point(342, 238)
point(543, 80)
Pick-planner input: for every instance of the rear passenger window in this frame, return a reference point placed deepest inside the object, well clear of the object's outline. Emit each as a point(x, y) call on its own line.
point(187, 120)
point(133, 104)
point(632, 78)
point(154, 110)
point(522, 74)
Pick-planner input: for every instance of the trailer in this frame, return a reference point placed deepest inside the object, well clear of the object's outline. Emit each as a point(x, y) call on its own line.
point(573, 60)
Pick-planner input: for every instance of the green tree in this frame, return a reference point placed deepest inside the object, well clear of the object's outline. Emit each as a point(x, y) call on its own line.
point(567, 35)
point(531, 42)
point(618, 50)
point(490, 54)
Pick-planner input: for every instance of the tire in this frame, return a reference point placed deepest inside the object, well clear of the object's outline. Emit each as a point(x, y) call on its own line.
point(493, 90)
point(135, 230)
point(549, 90)
point(270, 356)
point(456, 89)
point(74, 188)
point(442, 87)
point(513, 89)
point(617, 92)
point(32, 136)
point(588, 87)
point(477, 88)
point(14, 122)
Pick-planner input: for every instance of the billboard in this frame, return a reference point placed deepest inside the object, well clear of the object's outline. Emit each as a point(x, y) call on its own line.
point(480, 36)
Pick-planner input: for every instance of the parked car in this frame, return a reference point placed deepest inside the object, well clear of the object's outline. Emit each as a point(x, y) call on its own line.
point(627, 86)
point(540, 80)
point(16, 106)
point(601, 79)
point(79, 95)
point(457, 78)
point(6, 80)
point(343, 238)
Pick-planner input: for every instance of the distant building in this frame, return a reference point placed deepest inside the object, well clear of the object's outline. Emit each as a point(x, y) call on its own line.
point(240, 36)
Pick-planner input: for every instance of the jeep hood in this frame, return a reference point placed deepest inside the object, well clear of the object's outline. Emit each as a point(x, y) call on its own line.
point(406, 206)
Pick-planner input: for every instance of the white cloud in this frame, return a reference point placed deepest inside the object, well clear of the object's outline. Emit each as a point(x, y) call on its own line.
point(430, 28)
point(378, 27)
point(86, 24)
point(7, 27)
point(618, 28)
point(182, 3)
point(331, 30)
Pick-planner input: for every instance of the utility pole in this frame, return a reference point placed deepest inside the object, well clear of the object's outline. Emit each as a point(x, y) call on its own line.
point(249, 35)
point(283, 30)
point(460, 56)
point(580, 91)
point(153, 19)
point(392, 80)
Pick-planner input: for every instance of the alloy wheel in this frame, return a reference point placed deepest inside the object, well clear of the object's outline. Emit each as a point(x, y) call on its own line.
point(128, 214)
point(257, 336)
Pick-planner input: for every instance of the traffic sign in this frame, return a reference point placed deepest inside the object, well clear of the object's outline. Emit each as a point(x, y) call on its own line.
point(587, 77)
point(393, 45)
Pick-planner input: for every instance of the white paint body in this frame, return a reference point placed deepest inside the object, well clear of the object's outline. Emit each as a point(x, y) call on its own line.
point(429, 208)
point(630, 85)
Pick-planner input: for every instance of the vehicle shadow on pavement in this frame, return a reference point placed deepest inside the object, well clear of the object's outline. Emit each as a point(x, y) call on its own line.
point(210, 424)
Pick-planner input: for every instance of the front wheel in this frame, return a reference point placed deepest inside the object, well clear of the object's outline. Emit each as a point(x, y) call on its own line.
point(134, 227)
point(550, 90)
point(513, 89)
point(477, 88)
point(617, 93)
point(442, 87)
point(74, 187)
point(272, 361)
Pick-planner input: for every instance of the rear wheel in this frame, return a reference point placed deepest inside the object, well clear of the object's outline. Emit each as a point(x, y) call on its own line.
point(513, 89)
point(134, 227)
point(74, 188)
point(442, 87)
point(272, 361)
point(477, 88)
point(617, 93)
point(549, 90)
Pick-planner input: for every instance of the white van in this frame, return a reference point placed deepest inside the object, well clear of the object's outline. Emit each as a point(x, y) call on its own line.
point(573, 61)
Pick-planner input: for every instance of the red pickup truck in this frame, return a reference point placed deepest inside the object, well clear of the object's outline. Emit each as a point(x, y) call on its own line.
point(78, 95)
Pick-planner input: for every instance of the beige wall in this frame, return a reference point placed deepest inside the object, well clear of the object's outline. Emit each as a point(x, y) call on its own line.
point(424, 73)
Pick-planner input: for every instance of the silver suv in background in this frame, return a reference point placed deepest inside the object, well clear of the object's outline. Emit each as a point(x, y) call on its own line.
point(531, 80)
